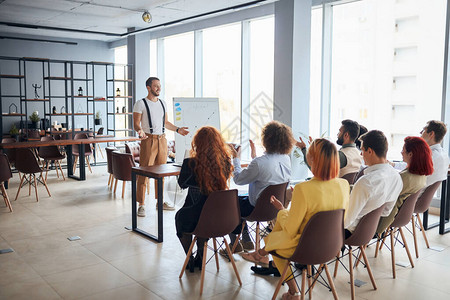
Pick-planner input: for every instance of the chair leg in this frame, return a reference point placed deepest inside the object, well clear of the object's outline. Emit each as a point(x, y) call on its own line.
point(45, 184)
point(29, 186)
point(283, 275)
point(413, 225)
point(188, 255)
point(309, 269)
point(88, 164)
point(6, 198)
point(62, 173)
point(336, 264)
point(358, 259)
point(257, 238)
point(239, 236)
point(35, 186)
point(330, 281)
point(215, 254)
point(46, 170)
point(205, 249)
point(350, 267)
point(423, 231)
point(20, 186)
point(75, 160)
point(392, 231)
point(230, 255)
point(369, 270)
point(123, 188)
point(406, 247)
point(115, 186)
point(56, 169)
point(303, 285)
point(109, 180)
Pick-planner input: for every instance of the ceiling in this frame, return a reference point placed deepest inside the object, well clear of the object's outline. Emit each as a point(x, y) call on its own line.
point(101, 16)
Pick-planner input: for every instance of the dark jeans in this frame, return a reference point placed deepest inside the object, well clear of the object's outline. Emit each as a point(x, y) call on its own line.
point(246, 209)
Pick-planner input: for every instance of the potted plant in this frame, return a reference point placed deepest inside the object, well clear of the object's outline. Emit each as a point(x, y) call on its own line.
point(98, 120)
point(14, 131)
point(34, 118)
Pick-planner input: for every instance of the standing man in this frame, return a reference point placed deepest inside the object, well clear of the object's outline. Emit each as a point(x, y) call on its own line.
point(150, 120)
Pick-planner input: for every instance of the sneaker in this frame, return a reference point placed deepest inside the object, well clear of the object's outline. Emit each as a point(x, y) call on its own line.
point(248, 246)
point(238, 249)
point(166, 206)
point(141, 211)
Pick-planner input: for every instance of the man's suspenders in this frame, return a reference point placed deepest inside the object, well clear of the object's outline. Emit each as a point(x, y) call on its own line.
point(150, 118)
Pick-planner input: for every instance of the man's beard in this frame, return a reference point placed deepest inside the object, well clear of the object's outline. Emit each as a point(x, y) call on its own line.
point(154, 93)
point(340, 141)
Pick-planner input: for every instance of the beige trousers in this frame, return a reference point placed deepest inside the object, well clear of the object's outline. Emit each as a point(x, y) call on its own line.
point(153, 152)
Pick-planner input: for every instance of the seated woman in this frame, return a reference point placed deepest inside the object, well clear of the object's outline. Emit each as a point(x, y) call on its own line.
point(417, 155)
point(208, 170)
point(323, 192)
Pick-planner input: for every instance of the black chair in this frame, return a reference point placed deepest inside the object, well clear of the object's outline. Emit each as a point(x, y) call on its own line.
point(51, 153)
point(5, 175)
point(350, 177)
point(220, 216)
point(321, 239)
point(28, 165)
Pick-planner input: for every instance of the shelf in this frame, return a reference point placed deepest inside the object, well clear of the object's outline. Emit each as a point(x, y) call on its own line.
point(11, 96)
point(127, 113)
point(82, 79)
point(63, 114)
point(109, 97)
point(83, 96)
point(13, 115)
point(36, 58)
point(125, 129)
point(58, 97)
point(12, 76)
point(57, 78)
point(35, 99)
point(120, 80)
point(101, 63)
point(83, 114)
point(98, 99)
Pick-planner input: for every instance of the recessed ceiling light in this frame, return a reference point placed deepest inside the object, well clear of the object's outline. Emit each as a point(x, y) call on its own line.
point(147, 17)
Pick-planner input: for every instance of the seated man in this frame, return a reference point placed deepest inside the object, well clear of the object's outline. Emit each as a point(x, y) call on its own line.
point(349, 156)
point(380, 183)
point(274, 167)
point(433, 133)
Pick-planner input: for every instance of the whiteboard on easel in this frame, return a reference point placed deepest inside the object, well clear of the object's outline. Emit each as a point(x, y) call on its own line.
point(193, 113)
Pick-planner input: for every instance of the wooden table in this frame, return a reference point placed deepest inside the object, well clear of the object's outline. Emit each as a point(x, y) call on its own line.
point(444, 212)
point(68, 143)
point(157, 172)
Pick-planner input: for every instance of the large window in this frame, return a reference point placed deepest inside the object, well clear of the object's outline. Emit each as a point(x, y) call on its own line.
point(260, 109)
point(222, 75)
point(387, 66)
point(178, 70)
point(315, 74)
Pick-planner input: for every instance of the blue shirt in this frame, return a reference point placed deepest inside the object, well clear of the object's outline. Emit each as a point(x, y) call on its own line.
point(263, 171)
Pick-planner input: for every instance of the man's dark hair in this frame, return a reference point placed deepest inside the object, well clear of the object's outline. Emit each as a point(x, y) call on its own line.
point(150, 80)
point(439, 129)
point(362, 130)
point(352, 127)
point(375, 140)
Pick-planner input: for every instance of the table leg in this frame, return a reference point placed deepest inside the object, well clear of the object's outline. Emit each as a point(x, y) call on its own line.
point(69, 160)
point(133, 202)
point(160, 209)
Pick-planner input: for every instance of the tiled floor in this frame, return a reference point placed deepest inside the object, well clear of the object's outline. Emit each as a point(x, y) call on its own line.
point(110, 262)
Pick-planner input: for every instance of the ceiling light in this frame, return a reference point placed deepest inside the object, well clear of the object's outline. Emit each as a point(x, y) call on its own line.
point(147, 17)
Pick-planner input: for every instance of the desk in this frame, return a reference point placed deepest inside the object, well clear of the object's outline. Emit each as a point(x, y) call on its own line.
point(444, 211)
point(157, 172)
point(68, 143)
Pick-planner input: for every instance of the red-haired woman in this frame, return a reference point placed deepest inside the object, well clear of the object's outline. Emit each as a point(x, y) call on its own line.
point(208, 170)
point(417, 155)
point(323, 192)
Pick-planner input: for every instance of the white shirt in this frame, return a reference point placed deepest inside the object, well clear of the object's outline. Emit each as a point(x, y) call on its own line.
point(156, 113)
point(380, 184)
point(440, 165)
point(263, 171)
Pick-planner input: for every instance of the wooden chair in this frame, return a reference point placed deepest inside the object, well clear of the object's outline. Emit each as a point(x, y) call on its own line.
point(264, 211)
point(28, 165)
point(97, 145)
point(76, 151)
point(362, 235)
point(321, 239)
point(350, 177)
point(121, 167)
point(422, 205)
point(5, 175)
point(109, 151)
point(402, 218)
point(219, 216)
point(51, 153)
